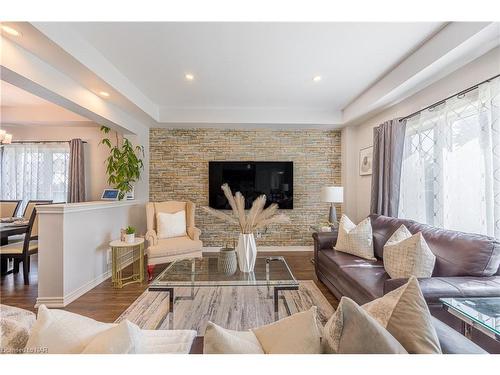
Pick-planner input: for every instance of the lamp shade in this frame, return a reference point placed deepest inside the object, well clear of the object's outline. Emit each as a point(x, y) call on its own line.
point(332, 194)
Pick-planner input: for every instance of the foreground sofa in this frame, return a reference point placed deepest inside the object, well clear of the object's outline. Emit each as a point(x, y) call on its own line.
point(467, 265)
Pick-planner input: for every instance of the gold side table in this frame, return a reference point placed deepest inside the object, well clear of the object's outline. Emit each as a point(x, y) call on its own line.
point(117, 248)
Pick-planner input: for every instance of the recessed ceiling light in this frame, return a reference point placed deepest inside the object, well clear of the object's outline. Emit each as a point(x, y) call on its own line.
point(11, 31)
point(189, 76)
point(104, 93)
point(317, 78)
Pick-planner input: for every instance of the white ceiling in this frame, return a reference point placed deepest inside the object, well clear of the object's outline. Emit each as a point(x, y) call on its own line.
point(254, 65)
point(19, 107)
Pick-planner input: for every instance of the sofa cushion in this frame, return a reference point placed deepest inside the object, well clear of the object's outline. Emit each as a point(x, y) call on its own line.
point(370, 280)
point(404, 313)
point(356, 278)
point(174, 246)
point(342, 259)
point(351, 330)
point(453, 342)
point(457, 253)
point(434, 288)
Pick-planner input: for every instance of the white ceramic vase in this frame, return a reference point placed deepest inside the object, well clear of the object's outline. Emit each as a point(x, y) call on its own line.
point(247, 251)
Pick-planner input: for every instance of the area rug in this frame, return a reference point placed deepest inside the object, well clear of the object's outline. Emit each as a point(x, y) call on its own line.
point(237, 308)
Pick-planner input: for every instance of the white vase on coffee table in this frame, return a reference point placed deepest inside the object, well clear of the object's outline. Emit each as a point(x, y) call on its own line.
point(247, 252)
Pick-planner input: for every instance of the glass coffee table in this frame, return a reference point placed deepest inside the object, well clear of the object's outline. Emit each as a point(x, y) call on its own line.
point(480, 313)
point(271, 272)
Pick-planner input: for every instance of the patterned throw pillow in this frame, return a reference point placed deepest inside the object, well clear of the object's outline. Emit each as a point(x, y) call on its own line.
point(407, 255)
point(352, 330)
point(404, 313)
point(355, 239)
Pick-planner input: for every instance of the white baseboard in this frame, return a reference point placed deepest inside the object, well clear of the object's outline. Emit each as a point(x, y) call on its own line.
point(59, 302)
point(209, 249)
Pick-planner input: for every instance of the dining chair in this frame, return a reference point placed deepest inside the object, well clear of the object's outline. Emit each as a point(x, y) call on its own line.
point(8, 208)
point(22, 251)
point(26, 215)
point(31, 204)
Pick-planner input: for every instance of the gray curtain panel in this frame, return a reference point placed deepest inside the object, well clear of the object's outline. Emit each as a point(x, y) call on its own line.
point(388, 142)
point(76, 180)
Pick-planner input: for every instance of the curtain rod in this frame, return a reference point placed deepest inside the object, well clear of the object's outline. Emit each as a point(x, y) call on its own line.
point(449, 97)
point(43, 141)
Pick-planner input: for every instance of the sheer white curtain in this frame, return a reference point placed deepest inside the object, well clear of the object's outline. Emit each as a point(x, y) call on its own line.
point(34, 171)
point(451, 163)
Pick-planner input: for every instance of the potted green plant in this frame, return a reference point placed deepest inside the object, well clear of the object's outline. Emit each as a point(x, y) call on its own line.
point(129, 234)
point(124, 163)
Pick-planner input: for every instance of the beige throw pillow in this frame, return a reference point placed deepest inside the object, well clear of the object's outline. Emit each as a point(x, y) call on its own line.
point(61, 332)
point(296, 334)
point(351, 330)
point(407, 255)
point(124, 338)
point(171, 225)
point(355, 239)
point(218, 340)
point(404, 313)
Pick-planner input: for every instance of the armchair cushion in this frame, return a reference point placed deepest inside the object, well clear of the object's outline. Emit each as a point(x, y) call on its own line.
point(171, 225)
point(173, 246)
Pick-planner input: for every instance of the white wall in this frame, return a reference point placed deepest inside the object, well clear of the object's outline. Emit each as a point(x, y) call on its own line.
point(357, 188)
point(75, 258)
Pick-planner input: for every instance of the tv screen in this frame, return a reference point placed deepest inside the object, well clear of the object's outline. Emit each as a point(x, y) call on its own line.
point(252, 179)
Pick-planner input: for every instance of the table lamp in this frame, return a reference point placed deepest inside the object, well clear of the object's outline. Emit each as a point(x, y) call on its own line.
point(332, 194)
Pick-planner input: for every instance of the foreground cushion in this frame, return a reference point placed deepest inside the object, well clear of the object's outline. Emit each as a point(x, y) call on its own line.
point(351, 330)
point(296, 334)
point(407, 255)
point(404, 313)
point(62, 332)
point(355, 239)
point(219, 340)
point(15, 327)
point(123, 338)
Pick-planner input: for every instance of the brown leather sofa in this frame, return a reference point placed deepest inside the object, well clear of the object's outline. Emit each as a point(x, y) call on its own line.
point(467, 265)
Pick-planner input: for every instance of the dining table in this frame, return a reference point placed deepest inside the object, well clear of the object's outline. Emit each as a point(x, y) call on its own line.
point(7, 230)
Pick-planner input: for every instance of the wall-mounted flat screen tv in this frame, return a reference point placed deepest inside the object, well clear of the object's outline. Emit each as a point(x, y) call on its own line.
point(252, 179)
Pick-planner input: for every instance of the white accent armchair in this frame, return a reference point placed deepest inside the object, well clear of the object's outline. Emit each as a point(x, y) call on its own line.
point(166, 250)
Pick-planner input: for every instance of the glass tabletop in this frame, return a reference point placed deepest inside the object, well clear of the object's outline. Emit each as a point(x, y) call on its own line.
point(199, 272)
point(483, 311)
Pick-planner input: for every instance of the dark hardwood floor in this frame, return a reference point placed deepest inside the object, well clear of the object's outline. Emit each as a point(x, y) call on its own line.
point(104, 303)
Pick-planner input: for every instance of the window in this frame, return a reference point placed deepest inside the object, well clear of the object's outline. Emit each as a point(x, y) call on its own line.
point(34, 171)
point(451, 164)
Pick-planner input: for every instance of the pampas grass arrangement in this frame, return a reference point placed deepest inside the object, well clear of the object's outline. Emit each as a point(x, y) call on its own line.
point(257, 217)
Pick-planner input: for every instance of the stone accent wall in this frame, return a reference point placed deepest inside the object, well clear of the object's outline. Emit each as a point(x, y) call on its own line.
point(179, 171)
